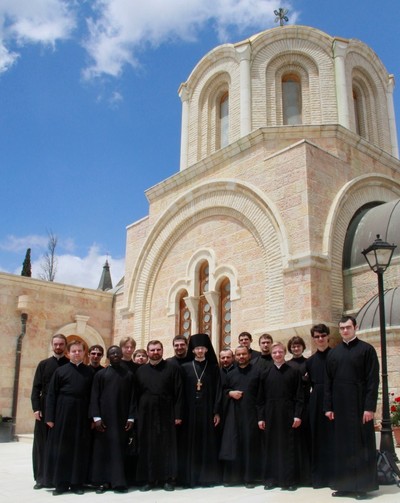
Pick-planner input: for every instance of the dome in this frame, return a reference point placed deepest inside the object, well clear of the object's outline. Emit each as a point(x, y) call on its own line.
point(368, 316)
point(383, 219)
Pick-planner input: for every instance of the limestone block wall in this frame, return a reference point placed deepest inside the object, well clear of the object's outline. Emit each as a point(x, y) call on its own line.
point(52, 308)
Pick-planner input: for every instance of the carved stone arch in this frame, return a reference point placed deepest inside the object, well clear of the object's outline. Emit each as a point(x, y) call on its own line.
point(371, 79)
point(194, 264)
point(212, 91)
point(239, 201)
point(307, 70)
point(354, 195)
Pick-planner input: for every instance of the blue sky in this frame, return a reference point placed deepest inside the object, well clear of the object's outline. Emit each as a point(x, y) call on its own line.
point(90, 115)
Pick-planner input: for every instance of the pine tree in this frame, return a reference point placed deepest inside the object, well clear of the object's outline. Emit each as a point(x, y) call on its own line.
point(26, 266)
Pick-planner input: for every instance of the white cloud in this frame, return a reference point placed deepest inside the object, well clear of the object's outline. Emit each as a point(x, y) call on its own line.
point(120, 29)
point(83, 271)
point(33, 21)
point(18, 244)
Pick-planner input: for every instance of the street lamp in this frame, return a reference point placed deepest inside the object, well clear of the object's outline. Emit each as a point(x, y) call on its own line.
point(378, 255)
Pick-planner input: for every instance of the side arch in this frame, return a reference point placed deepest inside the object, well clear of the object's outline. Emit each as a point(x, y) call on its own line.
point(353, 195)
point(242, 202)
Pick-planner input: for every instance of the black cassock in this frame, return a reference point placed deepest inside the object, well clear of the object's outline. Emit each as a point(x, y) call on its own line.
point(241, 438)
point(304, 446)
point(280, 400)
point(351, 387)
point(41, 381)
point(159, 397)
point(320, 426)
point(112, 399)
point(67, 451)
point(201, 466)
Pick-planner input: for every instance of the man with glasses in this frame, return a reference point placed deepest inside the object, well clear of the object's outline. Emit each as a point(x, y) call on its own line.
point(96, 353)
point(320, 426)
point(351, 393)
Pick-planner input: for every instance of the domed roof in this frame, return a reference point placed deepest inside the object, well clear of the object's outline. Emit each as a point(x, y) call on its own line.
point(383, 219)
point(368, 316)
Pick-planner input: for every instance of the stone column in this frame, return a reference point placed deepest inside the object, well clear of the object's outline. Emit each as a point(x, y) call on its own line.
point(339, 53)
point(184, 96)
point(244, 53)
point(392, 117)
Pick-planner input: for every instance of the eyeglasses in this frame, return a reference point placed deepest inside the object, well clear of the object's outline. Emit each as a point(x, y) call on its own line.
point(96, 354)
point(322, 336)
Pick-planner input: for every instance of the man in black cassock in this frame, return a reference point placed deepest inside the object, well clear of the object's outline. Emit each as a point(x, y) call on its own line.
point(241, 438)
point(95, 354)
point(67, 415)
point(351, 393)
point(180, 345)
point(320, 426)
point(112, 407)
point(280, 404)
point(41, 381)
point(159, 398)
point(201, 436)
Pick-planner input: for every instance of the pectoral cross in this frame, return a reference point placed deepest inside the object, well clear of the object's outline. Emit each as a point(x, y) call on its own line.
point(199, 385)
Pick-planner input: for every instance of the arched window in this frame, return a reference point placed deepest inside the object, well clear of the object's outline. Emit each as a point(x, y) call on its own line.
point(205, 315)
point(224, 121)
point(291, 100)
point(359, 116)
point(185, 322)
point(225, 314)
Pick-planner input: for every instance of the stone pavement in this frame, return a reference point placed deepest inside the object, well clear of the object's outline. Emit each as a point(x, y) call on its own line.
point(16, 487)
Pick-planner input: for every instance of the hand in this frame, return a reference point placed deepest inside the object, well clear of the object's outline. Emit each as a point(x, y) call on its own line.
point(129, 425)
point(178, 422)
point(217, 420)
point(368, 416)
point(296, 422)
point(236, 394)
point(38, 415)
point(100, 426)
point(330, 415)
point(50, 424)
point(261, 425)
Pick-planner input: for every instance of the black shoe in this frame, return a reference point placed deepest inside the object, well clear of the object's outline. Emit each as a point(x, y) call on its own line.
point(38, 486)
point(120, 489)
point(58, 492)
point(102, 489)
point(340, 494)
point(77, 490)
point(249, 485)
point(268, 486)
point(289, 488)
point(146, 487)
point(169, 487)
point(361, 496)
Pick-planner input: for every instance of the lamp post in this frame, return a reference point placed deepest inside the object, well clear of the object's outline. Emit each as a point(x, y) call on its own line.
point(378, 255)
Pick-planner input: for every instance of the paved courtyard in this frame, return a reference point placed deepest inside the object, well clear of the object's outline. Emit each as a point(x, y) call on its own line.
point(16, 487)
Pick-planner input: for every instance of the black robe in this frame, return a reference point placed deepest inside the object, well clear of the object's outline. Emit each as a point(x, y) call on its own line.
point(351, 387)
point(112, 400)
point(280, 400)
point(160, 402)
point(320, 426)
point(241, 438)
point(304, 433)
point(41, 381)
point(201, 438)
point(68, 445)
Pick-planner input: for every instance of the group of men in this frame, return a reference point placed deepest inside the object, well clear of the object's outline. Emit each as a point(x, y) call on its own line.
point(251, 418)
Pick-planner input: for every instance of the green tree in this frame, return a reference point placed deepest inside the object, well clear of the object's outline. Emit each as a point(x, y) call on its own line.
point(26, 266)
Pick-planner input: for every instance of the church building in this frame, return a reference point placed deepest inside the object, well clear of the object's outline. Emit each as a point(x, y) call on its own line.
point(289, 168)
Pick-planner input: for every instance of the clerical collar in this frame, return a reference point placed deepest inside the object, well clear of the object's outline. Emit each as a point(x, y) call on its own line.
point(351, 340)
point(57, 357)
point(279, 366)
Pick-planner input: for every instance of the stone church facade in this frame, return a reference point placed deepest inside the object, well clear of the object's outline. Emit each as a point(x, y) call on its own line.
point(288, 140)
